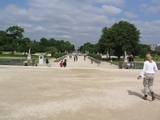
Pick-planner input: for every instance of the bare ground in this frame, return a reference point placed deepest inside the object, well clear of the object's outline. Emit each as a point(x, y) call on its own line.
point(74, 94)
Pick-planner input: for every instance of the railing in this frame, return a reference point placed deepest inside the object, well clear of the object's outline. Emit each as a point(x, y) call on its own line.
point(94, 60)
point(136, 65)
point(61, 58)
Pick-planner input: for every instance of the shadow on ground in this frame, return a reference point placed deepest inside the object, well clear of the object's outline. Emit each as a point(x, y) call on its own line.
point(130, 92)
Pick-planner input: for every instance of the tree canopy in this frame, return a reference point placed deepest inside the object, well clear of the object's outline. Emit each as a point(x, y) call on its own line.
point(120, 37)
point(13, 39)
point(88, 47)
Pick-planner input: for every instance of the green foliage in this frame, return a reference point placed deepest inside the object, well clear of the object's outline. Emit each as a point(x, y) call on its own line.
point(105, 43)
point(24, 45)
point(12, 40)
point(53, 45)
point(122, 36)
point(11, 55)
point(52, 51)
point(15, 31)
point(143, 49)
point(95, 56)
point(88, 48)
point(156, 57)
point(58, 55)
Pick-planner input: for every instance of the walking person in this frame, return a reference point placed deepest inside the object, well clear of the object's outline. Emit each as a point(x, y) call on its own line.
point(85, 57)
point(61, 63)
point(74, 58)
point(47, 62)
point(130, 61)
point(65, 63)
point(148, 73)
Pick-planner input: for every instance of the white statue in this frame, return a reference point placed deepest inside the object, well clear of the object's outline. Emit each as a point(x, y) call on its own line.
point(125, 57)
point(41, 60)
point(107, 55)
point(29, 57)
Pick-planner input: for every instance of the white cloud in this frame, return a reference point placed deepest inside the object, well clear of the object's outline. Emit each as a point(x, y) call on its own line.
point(75, 20)
point(130, 15)
point(111, 10)
point(149, 30)
point(152, 8)
point(109, 2)
point(79, 21)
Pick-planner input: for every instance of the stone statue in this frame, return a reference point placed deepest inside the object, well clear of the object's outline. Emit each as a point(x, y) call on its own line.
point(125, 57)
point(29, 57)
point(41, 59)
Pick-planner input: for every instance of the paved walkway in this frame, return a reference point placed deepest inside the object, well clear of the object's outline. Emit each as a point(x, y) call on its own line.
point(85, 63)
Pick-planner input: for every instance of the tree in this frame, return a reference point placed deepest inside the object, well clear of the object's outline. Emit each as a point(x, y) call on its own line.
point(24, 45)
point(43, 44)
point(15, 31)
point(3, 39)
point(35, 46)
point(88, 47)
point(143, 49)
point(68, 46)
point(12, 40)
point(15, 36)
point(52, 51)
point(6, 42)
point(121, 37)
point(126, 38)
point(105, 43)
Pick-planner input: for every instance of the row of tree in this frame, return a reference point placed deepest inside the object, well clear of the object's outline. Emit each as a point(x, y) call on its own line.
point(13, 39)
point(120, 37)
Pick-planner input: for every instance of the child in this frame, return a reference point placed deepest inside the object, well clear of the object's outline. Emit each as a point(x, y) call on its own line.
point(148, 73)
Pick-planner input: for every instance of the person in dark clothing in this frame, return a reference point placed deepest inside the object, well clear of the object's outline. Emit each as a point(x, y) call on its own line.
point(65, 63)
point(85, 57)
point(61, 63)
point(47, 61)
point(131, 61)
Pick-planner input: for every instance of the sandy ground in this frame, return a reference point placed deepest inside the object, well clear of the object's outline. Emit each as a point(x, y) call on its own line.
point(93, 93)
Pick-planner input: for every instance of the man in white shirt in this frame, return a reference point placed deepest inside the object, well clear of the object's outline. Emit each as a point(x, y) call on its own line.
point(148, 73)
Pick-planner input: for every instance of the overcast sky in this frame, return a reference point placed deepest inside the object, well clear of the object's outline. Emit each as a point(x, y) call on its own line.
point(80, 21)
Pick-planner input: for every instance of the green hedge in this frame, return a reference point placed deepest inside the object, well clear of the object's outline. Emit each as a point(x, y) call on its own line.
point(12, 55)
point(11, 61)
point(95, 56)
point(58, 55)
